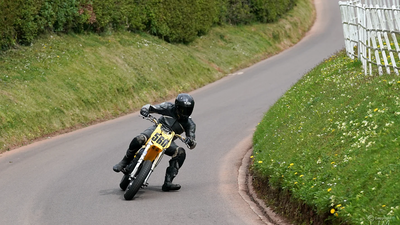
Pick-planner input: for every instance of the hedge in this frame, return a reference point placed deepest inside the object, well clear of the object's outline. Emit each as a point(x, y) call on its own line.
point(21, 21)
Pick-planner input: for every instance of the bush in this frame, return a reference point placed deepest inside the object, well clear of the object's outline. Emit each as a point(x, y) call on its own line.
point(172, 20)
point(58, 15)
point(26, 23)
point(270, 10)
point(181, 21)
point(239, 12)
point(134, 15)
point(7, 18)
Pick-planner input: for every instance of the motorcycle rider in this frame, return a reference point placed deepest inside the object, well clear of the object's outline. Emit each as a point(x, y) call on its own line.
point(179, 112)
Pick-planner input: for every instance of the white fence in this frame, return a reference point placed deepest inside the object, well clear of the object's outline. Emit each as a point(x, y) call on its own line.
point(371, 29)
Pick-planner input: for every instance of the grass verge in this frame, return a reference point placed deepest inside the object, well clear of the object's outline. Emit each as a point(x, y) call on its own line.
point(332, 144)
point(60, 83)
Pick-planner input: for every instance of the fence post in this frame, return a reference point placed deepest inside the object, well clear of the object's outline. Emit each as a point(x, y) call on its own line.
point(366, 26)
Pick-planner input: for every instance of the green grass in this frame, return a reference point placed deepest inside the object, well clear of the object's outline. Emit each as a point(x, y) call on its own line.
point(333, 142)
point(60, 83)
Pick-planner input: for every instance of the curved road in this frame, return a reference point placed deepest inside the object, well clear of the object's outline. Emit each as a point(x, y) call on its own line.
point(69, 179)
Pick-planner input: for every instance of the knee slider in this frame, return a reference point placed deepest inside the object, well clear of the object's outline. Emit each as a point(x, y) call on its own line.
point(141, 139)
point(179, 152)
point(178, 158)
point(138, 141)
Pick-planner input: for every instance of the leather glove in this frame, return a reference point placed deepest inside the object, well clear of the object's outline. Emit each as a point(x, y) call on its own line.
point(190, 142)
point(144, 112)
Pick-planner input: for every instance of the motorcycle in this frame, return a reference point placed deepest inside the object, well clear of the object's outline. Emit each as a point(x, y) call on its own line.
point(138, 172)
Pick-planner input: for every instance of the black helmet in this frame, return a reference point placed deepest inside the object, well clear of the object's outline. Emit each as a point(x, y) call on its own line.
point(184, 105)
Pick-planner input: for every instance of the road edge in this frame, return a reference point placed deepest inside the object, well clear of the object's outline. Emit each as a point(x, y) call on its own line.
point(247, 192)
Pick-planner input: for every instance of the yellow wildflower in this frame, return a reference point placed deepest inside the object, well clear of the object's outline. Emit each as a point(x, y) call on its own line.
point(332, 211)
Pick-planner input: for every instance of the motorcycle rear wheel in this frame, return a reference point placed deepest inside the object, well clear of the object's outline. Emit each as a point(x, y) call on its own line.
point(137, 183)
point(123, 184)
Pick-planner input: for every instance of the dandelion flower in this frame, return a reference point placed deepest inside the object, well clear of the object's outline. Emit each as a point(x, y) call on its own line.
point(251, 157)
point(332, 211)
point(301, 175)
point(383, 205)
point(375, 109)
point(330, 189)
point(260, 161)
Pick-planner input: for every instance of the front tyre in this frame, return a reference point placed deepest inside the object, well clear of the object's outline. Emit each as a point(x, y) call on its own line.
point(137, 183)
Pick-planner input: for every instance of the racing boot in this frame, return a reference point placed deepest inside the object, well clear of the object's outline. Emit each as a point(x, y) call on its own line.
point(124, 162)
point(169, 176)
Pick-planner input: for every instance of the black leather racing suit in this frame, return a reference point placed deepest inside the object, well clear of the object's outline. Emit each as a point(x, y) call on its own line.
point(169, 117)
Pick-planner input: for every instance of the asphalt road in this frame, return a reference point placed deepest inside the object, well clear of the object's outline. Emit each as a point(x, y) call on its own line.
point(69, 179)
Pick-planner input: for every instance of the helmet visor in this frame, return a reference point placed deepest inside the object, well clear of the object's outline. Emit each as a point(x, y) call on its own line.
point(185, 111)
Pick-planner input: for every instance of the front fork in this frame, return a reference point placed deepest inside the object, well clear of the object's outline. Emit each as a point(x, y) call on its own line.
point(140, 160)
point(155, 163)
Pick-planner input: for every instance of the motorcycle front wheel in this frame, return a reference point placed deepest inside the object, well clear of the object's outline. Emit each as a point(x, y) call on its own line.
point(137, 183)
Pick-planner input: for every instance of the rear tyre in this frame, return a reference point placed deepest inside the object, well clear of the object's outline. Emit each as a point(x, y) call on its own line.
point(137, 183)
point(124, 182)
point(127, 171)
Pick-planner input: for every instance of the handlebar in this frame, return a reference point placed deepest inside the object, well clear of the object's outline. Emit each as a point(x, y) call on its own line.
point(151, 119)
point(154, 120)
